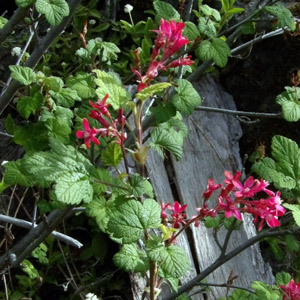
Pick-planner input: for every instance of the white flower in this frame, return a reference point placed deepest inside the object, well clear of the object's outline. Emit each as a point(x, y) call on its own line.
point(128, 8)
point(92, 22)
point(91, 296)
point(16, 51)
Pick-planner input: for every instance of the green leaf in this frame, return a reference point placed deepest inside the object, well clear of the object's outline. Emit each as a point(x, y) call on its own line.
point(216, 50)
point(291, 243)
point(211, 222)
point(15, 175)
point(264, 291)
point(29, 268)
point(190, 31)
point(187, 98)
point(295, 211)
point(23, 75)
point(29, 105)
point(289, 100)
point(163, 112)
point(241, 295)
point(284, 16)
point(176, 262)
point(59, 162)
point(3, 21)
point(73, 188)
point(284, 170)
point(112, 155)
point(156, 249)
point(151, 90)
point(283, 278)
point(113, 184)
point(53, 83)
point(59, 129)
point(54, 10)
point(40, 253)
point(141, 186)
point(165, 11)
point(9, 124)
point(24, 3)
point(100, 208)
point(207, 27)
point(33, 137)
point(108, 84)
point(166, 137)
point(83, 83)
point(130, 258)
point(132, 218)
point(107, 50)
point(210, 12)
point(65, 97)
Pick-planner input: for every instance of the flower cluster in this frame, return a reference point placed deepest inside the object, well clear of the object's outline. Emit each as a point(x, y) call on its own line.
point(168, 41)
point(109, 127)
point(291, 291)
point(234, 198)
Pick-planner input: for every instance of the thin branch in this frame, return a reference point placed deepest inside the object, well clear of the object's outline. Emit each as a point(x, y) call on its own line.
point(25, 224)
point(220, 261)
point(224, 285)
point(33, 239)
point(37, 54)
point(9, 27)
point(239, 113)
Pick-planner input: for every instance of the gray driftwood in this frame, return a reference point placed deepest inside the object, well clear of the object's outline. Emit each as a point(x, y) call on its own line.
point(210, 148)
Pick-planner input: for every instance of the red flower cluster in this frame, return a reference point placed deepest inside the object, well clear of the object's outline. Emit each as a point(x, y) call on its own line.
point(233, 200)
point(109, 127)
point(291, 291)
point(168, 41)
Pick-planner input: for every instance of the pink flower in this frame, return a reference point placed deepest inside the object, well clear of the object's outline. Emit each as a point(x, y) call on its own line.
point(100, 105)
point(291, 291)
point(182, 61)
point(230, 208)
point(98, 116)
point(250, 187)
point(203, 212)
point(178, 214)
point(163, 206)
point(88, 134)
point(169, 38)
point(211, 186)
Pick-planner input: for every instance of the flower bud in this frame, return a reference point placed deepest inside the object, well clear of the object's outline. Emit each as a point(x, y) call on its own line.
point(128, 8)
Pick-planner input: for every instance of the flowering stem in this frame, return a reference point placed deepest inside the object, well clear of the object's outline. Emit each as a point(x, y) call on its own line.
point(222, 260)
point(152, 280)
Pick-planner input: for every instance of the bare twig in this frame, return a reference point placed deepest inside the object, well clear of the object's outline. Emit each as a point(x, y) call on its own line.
point(239, 113)
point(32, 240)
point(18, 16)
point(25, 224)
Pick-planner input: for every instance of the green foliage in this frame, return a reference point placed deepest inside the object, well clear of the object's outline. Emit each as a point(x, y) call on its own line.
point(283, 278)
point(165, 11)
point(24, 3)
point(217, 50)
point(207, 27)
point(283, 170)
point(40, 253)
point(112, 155)
point(141, 186)
point(29, 268)
point(283, 15)
point(169, 136)
point(264, 291)
point(187, 98)
point(289, 100)
point(295, 208)
point(151, 90)
point(3, 21)
point(130, 258)
point(65, 97)
point(29, 105)
point(108, 83)
point(53, 10)
point(83, 83)
point(190, 31)
point(23, 75)
point(131, 218)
